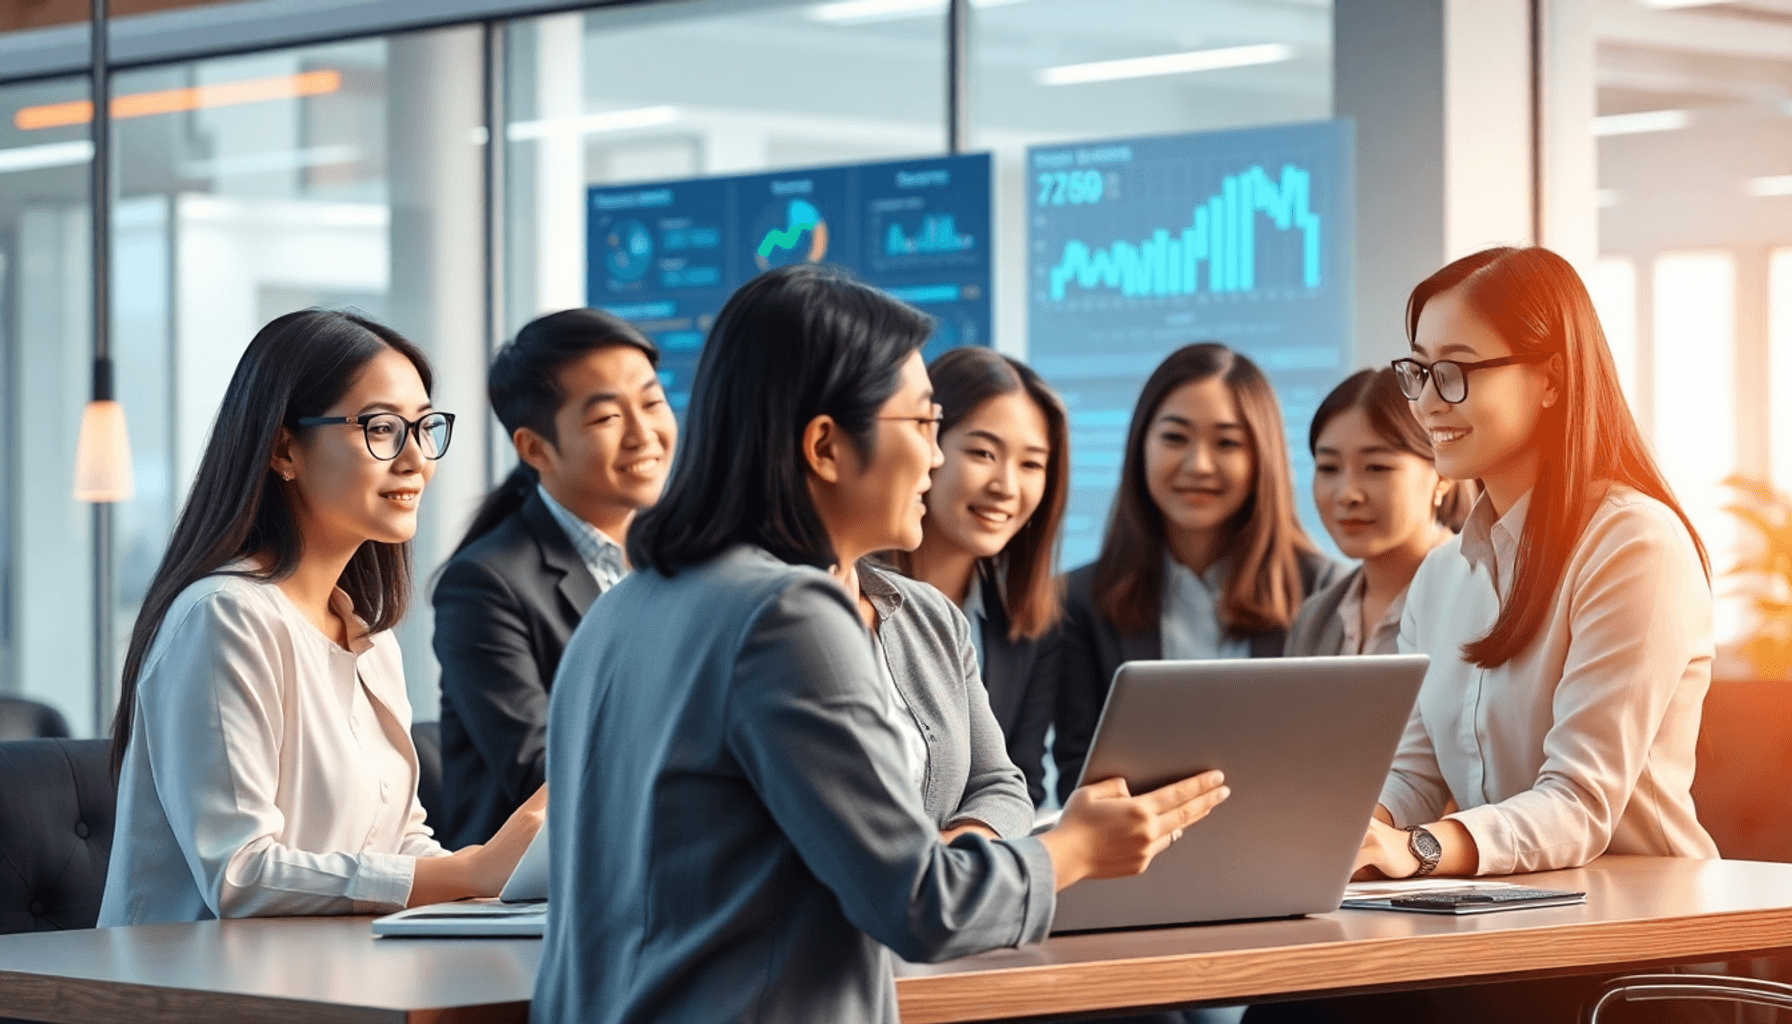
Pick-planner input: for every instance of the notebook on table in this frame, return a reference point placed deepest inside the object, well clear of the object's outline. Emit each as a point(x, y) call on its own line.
point(521, 909)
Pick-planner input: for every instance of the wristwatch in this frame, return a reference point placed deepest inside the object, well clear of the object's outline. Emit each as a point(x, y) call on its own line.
point(1424, 846)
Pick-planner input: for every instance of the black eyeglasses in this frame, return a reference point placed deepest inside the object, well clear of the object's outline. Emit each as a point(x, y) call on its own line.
point(930, 425)
point(386, 432)
point(1450, 376)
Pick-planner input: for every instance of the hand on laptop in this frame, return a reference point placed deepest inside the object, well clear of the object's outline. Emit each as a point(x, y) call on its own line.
point(481, 869)
point(1106, 832)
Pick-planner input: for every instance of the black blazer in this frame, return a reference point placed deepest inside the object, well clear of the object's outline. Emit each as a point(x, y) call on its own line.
point(1022, 679)
point(1092, 650)
point(505, 607)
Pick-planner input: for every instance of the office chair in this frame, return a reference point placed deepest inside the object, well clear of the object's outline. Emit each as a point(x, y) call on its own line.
point(1636, 988)
point(427, 737)
point(56, 813)
point(22, 719)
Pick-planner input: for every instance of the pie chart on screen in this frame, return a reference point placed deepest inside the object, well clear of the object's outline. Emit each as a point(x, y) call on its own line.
point(791, 232)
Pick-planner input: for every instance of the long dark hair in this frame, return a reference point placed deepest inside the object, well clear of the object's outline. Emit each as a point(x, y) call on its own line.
point(964, 379)
point(1536, 303)
point(523, 385)
point(1264, 590)
point(298, 365)
point(1377, 393)
point(792, 344)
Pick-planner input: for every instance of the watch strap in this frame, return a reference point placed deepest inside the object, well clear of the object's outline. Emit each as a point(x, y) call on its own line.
point(1425, 847)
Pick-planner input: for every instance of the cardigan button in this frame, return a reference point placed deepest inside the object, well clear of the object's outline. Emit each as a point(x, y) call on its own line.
point(81, 829)
point(37, 909)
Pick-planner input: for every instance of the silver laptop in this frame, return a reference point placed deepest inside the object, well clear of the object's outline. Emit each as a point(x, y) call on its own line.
point(520, 910)
point(1305, 744)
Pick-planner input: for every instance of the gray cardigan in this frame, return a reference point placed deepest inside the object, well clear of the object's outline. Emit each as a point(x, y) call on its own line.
point(927, 642)
point(1317, 629)
point(732, 831)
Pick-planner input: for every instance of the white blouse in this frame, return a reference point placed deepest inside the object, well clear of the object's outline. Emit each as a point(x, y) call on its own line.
point(269, 772)
point(1583, 744)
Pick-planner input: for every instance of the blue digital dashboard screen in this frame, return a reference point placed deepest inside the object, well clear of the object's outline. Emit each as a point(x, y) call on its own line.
point(667, 255)
point(1139, 246)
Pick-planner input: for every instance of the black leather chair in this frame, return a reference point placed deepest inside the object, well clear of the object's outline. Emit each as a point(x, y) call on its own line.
point(427, 736)
point(22, 719)
point(57, 805)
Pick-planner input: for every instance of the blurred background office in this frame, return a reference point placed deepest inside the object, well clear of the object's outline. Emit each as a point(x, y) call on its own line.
point(428, 164)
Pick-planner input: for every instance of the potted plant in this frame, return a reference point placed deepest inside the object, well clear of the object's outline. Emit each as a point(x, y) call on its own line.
point(1745, 739)
point(1769, 570)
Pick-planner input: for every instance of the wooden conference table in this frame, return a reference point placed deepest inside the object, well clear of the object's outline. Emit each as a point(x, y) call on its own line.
point(1640, 911)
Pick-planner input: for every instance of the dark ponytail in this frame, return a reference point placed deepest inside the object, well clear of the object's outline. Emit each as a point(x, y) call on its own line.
point(504, 499)
point(524, 387)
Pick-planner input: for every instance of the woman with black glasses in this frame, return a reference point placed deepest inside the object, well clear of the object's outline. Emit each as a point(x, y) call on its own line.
point(263, 733)
point(1569, 625)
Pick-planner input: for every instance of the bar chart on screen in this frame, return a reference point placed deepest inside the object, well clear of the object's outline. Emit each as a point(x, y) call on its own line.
point(1138, 246)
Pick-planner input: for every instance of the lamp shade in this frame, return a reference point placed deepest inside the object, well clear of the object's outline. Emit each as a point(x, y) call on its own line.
point(103, 455)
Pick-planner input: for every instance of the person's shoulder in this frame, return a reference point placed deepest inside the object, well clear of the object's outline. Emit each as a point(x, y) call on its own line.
point(1080, 581)
point(1318, 570)
point(1331, 592)
point(923, 595)
point(1627, 517)
point(742, 577)
point(921, 601)
point(226, 603)
point(497, 548)
point(1443, 566)
point(228, 592)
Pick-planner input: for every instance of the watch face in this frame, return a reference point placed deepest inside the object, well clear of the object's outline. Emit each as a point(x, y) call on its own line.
point(1425, 845)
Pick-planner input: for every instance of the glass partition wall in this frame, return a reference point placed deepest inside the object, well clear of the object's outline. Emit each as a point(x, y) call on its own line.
point(1694, 131)
point(353, 175)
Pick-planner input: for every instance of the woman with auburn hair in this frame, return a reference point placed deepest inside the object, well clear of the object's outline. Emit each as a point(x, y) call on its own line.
point(1569, 626)
point(1203, 557)
point(1376, 486)
point(991, 532)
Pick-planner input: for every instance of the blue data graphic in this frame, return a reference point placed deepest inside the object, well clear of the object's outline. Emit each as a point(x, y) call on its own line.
point(937, 233)
point(667, 255)
point(1221, 233)
point(1139, 246)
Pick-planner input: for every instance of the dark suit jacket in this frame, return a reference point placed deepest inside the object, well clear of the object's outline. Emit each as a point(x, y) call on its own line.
point(505, 607)
point(1022, 679)
point(1092, 650)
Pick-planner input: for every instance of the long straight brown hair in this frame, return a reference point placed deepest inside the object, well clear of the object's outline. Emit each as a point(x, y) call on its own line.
point(1536, 303)
point(963, 379)
point(1266, 540)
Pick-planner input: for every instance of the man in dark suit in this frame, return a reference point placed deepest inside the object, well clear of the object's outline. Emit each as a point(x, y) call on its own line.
point(579, 394)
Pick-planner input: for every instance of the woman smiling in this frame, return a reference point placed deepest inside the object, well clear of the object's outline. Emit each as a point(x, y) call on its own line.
point(1203, 556)
point(991, 532)
point(1380, 496)
point(263, 730)
point(1569, 626)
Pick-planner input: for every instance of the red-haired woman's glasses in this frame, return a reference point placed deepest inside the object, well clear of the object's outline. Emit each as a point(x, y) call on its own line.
point(386, 432)
point(1450, 376)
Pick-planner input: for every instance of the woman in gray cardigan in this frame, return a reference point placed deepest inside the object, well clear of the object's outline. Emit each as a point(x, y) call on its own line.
point(735, 831)
point(1379, 493)
point(966, 779)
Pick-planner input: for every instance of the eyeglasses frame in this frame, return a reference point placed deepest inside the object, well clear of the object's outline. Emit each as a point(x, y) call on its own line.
point(936, 420)
point(412, 428)
point(1425, 371)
